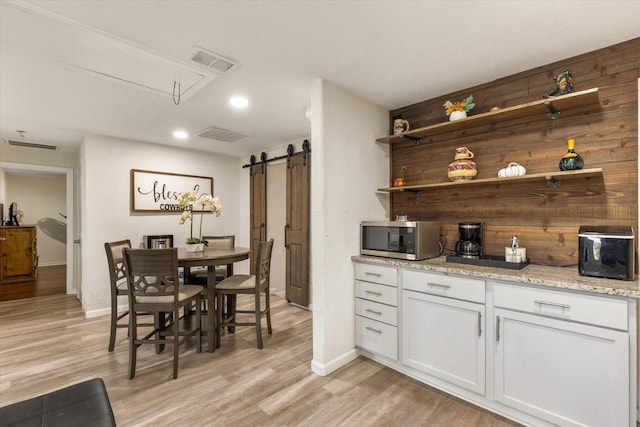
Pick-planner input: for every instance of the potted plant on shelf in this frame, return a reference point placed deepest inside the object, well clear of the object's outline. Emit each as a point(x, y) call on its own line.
point(188, 201)
point(458, 110)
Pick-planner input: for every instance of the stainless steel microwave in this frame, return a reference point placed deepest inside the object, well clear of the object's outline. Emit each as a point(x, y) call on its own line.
point(411, 240)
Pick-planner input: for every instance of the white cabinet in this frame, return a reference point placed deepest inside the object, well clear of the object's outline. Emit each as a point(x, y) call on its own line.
point(541, 356)
point(444, 336)
point(553, 358)
point(376, 308)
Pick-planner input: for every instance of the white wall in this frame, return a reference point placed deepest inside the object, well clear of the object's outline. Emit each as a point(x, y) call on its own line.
point(347, 166)
point(105, 200)
point(41, 196)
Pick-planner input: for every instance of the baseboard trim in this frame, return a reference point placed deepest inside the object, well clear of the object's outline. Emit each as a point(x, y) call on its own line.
point(324, 369)
point(104, 311)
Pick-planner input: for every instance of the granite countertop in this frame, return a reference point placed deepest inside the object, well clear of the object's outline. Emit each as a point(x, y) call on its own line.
point(554, 277)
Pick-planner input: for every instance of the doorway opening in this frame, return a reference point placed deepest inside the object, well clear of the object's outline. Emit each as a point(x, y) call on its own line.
point(49, 273)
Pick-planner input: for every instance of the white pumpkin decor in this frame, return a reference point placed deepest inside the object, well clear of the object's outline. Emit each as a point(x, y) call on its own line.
point(512, 169)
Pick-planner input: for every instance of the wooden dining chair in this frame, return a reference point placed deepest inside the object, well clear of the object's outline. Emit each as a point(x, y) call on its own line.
point(199, 275)
point(249, 285)
point(118, 284)
point(153, 285)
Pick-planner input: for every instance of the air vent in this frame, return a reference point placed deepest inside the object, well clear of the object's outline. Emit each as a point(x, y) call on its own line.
point(220, 134)
point(211, 60)
point(31, 145)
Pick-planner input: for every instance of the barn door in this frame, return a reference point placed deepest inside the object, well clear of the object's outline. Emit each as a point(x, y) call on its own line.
point(297, 226)
point(258, 207)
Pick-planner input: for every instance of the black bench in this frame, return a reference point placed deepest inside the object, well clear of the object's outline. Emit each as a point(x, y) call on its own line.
point(83, 404)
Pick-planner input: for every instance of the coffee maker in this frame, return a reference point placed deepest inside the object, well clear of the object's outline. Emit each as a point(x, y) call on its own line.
point(469, 244)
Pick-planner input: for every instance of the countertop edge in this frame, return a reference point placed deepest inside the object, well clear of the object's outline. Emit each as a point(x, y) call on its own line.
point(539, 275)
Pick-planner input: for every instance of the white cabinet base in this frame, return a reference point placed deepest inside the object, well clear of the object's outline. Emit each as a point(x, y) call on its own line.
point(445, 338)
point(568, 373)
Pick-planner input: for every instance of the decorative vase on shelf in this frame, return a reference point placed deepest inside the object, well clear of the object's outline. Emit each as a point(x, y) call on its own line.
point(572, 160)
point(195, 247)
point(462, 168)
point(457, 115)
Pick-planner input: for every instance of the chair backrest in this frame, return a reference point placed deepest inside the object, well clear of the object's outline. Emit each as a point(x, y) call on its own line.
point(115, 260)
point(152, 272)
point(263, 264)
point(220, 241)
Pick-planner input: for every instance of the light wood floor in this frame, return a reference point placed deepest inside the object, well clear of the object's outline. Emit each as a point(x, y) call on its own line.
point(46, 344)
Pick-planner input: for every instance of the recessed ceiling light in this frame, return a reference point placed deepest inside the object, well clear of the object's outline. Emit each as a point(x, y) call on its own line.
point(239, 102)
point(180, 134)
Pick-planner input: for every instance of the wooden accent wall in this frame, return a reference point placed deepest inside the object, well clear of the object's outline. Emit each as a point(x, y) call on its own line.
point(545, 219)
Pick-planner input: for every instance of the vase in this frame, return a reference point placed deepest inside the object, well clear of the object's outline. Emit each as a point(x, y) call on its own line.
point(457, 115)
point(195, 247)
point(462, 168)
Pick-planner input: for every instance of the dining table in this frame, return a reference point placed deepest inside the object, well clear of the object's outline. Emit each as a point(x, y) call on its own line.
point(210, 258)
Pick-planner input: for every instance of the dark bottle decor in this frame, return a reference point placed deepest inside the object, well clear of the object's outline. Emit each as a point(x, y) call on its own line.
point(572, 160)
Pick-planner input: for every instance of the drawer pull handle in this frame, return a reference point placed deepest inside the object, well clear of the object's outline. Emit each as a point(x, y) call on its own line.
point(438, 285)
point(368, 310)
point(369, 328)
point(553, 304)
point(367, 291)
point(368, 273)
point(479, 324)
point(497, 328)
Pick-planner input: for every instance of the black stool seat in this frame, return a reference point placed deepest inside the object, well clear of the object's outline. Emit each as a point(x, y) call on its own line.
point(83, 404)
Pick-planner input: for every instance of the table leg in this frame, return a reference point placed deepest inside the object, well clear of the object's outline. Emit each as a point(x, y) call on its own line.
point(231, 301)
point(211, 308)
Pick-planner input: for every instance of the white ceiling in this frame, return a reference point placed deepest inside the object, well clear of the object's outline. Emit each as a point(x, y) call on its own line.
point(392, 53)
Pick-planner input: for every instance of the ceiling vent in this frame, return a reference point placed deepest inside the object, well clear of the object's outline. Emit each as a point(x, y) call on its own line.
point(211, 60)
point(31, 144)
point(220, 134)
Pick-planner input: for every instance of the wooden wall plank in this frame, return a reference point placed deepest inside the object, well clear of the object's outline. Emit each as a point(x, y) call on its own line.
point(545, 219)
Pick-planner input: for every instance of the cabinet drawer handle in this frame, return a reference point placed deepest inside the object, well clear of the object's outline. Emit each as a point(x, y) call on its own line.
point(368, 273)
point(368, 310)
point(369, 328)
point(367, 291)
point(553, 304)
point(497, 328)
point(438, 285)
point(479, 324)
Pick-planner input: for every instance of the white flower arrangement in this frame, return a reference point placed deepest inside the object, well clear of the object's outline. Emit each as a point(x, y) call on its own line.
point(188, 201)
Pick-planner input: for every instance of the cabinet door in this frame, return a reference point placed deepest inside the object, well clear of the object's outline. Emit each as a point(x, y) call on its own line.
point(445, 338)
point(18, 251)
point(567, 373)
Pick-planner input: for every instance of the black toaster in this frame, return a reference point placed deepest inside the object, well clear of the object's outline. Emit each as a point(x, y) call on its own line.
point(606, 251)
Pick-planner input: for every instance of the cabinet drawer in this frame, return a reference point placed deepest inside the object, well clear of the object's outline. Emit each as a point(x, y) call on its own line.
point(596, 310)
point(378, 293)
point(373, 310)
point(377, 337)
point(377, 274)
point(448, 286)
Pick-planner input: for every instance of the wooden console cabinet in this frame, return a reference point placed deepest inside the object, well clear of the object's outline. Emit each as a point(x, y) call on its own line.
point(18, 254)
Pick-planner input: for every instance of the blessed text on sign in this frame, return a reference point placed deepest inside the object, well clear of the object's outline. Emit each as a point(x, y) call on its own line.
point(153, 191)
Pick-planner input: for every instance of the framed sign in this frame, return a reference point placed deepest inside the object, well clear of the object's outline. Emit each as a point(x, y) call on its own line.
point(153, 191)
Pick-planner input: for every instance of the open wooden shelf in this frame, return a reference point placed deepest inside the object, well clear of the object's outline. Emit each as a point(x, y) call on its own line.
point(553, 179)
point(552, 107)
